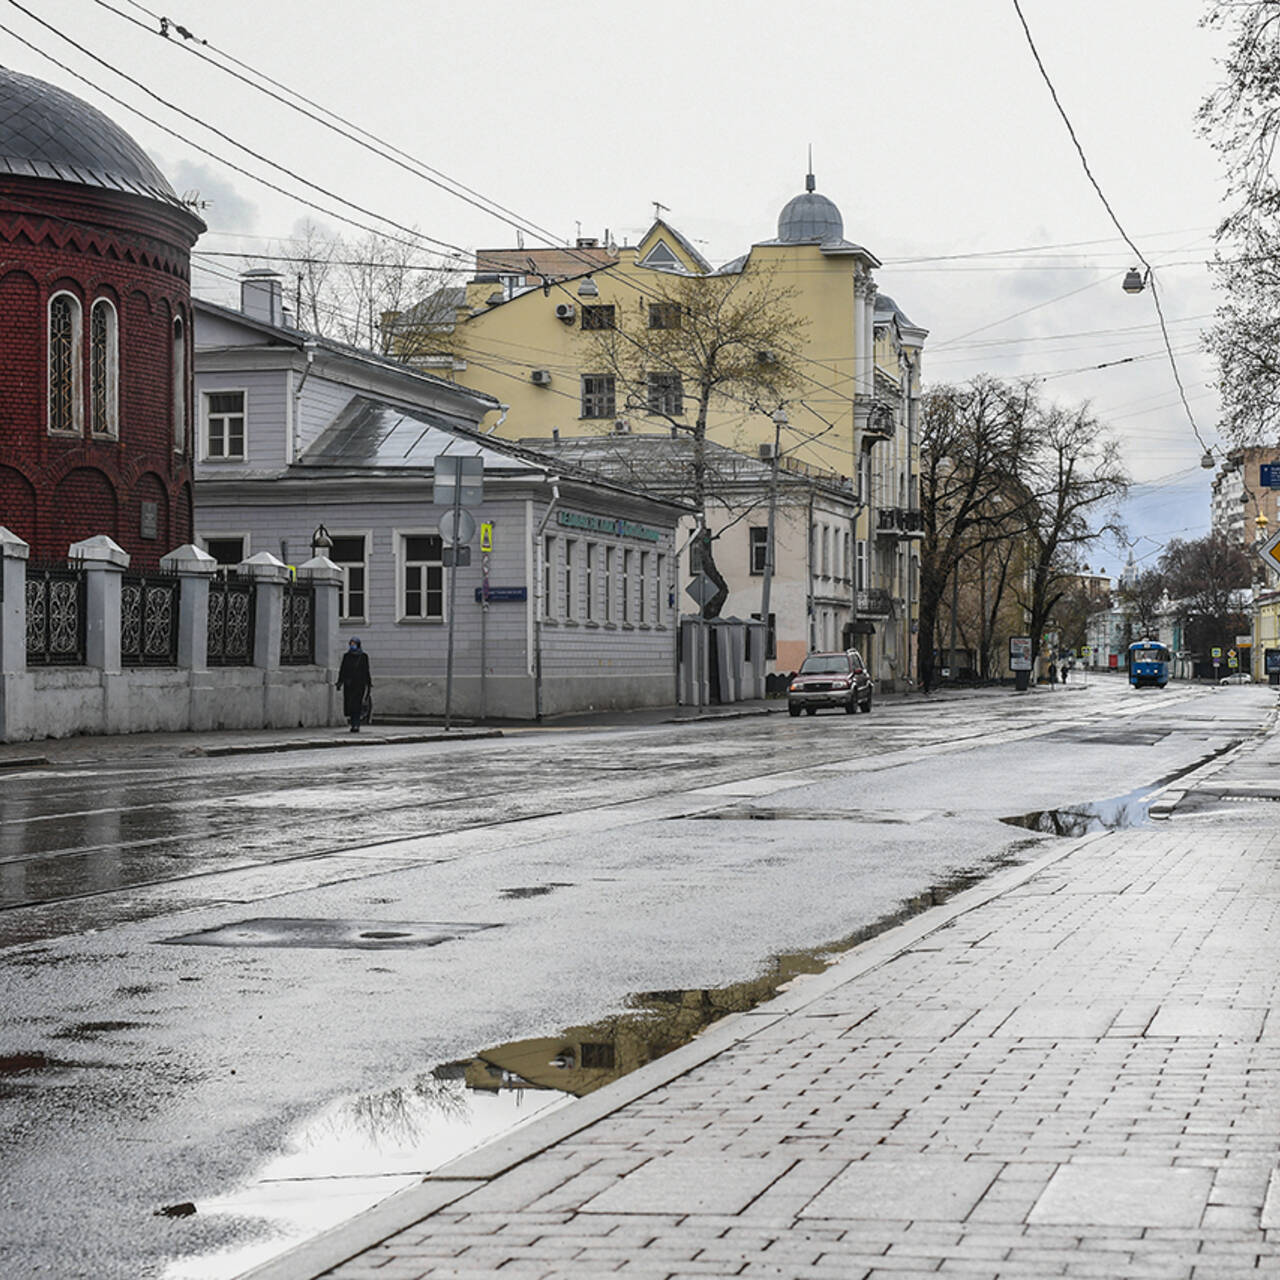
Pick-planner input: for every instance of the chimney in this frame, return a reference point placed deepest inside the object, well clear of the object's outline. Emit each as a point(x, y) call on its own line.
point(261, 297)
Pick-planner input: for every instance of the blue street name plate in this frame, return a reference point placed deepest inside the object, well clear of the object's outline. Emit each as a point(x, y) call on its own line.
point(1269, 475)
point(499, 594)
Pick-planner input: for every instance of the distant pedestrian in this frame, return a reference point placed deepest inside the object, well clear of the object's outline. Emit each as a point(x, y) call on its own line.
point(355, 682)
point(1066, 666)
point(1053, 673)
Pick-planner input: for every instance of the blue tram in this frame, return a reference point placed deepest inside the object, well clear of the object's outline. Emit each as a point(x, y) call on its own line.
point(1148, 663)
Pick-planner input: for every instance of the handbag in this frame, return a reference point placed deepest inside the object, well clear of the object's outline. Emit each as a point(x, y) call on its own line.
point(366, 707)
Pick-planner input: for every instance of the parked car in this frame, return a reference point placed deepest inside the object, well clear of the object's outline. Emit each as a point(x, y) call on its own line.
point(1237, 677)
point(830, 680)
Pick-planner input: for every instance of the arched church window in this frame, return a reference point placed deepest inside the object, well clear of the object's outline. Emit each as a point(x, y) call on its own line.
point(179, 367)
point(66, 397)
point(104, 368)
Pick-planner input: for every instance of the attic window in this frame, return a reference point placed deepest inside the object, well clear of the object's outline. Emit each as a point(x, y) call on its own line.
point(660, 256)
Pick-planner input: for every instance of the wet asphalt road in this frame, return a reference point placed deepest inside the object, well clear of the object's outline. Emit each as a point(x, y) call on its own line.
point(138, 1072)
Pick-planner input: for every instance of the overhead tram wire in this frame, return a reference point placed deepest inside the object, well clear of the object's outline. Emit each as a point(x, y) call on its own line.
point(186, 115)
point(1151, 277)
point(349, 129)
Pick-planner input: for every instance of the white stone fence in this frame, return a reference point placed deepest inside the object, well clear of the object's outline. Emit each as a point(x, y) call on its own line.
point(284, 679)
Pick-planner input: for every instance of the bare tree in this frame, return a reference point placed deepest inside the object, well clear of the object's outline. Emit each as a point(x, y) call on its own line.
point(1205, 578)
point(1242, 121)
point(380, 294)
point(971, 442)
point(1142, 598)
point(1073, 479)
point(693, 344)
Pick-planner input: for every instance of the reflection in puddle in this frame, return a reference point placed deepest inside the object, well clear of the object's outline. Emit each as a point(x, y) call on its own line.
point(1081, 820)
point(360, 1150)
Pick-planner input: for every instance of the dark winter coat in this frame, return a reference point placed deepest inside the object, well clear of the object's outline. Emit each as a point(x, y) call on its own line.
point(353, 680)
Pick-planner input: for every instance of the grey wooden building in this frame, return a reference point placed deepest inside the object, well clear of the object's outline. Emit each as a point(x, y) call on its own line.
point(568, 602)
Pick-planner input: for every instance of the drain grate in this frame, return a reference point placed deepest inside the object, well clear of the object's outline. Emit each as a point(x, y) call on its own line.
point(360, 935)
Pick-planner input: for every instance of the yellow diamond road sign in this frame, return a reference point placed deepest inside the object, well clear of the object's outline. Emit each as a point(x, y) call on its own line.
point(1270, 552)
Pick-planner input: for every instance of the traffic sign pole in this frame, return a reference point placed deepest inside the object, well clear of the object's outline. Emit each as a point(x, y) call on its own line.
point(453, 596)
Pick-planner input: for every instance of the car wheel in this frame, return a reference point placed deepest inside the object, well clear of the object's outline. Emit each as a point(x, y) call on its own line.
point(793, 711)
point(811, 711)
point(866, 707)
point(850, 707)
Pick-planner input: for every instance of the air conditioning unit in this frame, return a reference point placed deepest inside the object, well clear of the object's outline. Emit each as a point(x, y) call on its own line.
point(565, 311)
point(621, 427)
point(540, 377)
point(767, 452)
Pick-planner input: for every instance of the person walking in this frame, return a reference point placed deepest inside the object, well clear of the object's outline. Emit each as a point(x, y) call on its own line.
point(355, 681)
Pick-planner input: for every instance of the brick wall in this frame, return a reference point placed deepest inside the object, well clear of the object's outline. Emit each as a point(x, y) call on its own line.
point(136, 253)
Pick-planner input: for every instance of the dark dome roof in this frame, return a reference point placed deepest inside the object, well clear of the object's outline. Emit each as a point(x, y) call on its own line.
point(809, 217)
point(46, 132)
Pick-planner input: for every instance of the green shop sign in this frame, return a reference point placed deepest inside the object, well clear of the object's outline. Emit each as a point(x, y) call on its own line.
point(603, 524)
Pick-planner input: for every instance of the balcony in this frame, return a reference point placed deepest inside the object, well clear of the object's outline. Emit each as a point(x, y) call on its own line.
point(899, 522)
point(874, 602)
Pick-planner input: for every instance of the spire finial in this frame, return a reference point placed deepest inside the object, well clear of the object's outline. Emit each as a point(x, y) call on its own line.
point(809, 183)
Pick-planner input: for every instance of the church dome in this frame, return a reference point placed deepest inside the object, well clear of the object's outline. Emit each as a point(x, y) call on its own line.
point(46, 132)
point(809, 217)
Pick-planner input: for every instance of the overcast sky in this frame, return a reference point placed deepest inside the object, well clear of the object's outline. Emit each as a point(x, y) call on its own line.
point(930, 125)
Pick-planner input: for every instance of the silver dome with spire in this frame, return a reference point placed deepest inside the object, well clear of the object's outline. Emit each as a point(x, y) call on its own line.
point(810, 217)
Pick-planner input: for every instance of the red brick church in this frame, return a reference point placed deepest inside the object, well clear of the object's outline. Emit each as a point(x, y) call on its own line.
point(96, 430)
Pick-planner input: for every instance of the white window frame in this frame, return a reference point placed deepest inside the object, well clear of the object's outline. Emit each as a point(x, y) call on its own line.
point(549, 559)
point(206, 418)
point(757, 542)
point(659, 576)
point(403, 562)
point(112, 428)
point(642, 598)
point(344, 594)
point(77, 365)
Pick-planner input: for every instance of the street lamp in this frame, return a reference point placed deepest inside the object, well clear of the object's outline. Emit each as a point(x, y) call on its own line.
point(321, 542)
point(1134, 281)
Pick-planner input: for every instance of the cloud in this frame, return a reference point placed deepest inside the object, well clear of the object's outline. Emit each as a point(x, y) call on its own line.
point(227, 209)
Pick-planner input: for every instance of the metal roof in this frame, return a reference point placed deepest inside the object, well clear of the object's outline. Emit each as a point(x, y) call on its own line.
point(372, 433)
point(46, 132)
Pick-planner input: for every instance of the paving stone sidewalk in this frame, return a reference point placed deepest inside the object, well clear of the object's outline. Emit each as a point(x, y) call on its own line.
point(1079, 1076)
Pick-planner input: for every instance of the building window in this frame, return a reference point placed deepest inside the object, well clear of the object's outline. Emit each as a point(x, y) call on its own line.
point(848, 559)
point(664, 315)
point(598, 317)
point(228, 552)
point(349, 554)
point(179, 385)
point(758, 548)
point(570, 596)
point(422, 596)
point(826, 552)
point(589, 582)
point(608, 584)
point(548, 577)
point(597, 395)
point(666, 394)
point(642, 599)
point(224, 426)
point(66, 397)
point(626, 586)
point(659, 587)
point(104, 369)
point(861, 582)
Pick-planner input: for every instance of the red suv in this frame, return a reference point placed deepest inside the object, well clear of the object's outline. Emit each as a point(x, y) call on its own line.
point(830, 680)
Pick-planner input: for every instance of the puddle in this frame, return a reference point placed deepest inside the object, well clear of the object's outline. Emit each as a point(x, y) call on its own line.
point(1117, 814)
point(754, 814)
point(359, 1150)
point(534, 890)
point(18, 1064)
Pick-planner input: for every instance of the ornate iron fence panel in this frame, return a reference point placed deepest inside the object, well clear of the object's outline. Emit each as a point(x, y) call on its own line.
point(298, 625)
point(231, 620)
point(56, 608)
point(149, 620)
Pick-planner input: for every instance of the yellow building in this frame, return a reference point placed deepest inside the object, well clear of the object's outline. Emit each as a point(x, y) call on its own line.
point(528, 330)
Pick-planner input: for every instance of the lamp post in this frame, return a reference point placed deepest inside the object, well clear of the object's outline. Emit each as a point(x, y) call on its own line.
point(779, 417)
point(321, 542)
